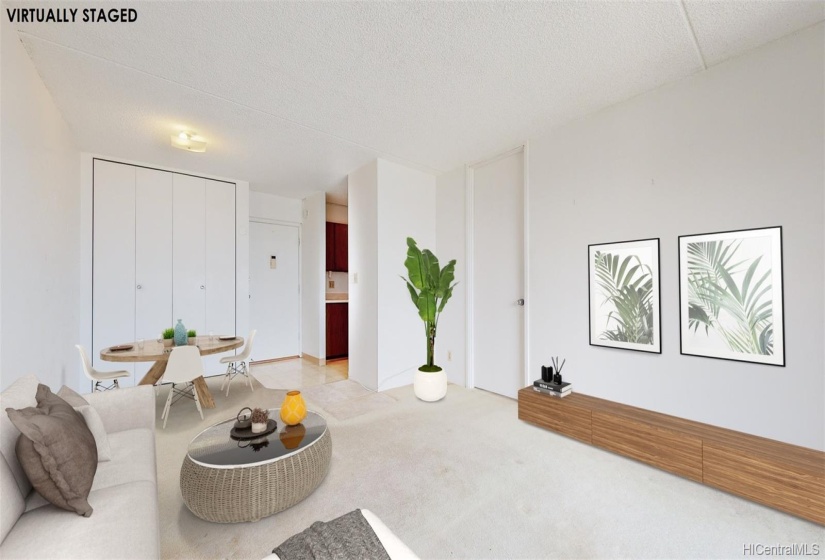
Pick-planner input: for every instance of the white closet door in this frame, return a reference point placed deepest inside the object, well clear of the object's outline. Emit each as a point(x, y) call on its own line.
point(153, 257)
point(220, 266)
point(188, 251)
point(113, 266)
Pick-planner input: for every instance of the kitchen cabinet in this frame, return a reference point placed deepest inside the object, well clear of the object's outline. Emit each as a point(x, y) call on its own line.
point(337, 330)
point(337, 251)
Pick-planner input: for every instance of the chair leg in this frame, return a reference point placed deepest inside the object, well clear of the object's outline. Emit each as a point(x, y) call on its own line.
point(227, 379)
point(165, 414)
point(197, 400)
point(117, 385)
point(248, 377)
point(227, 376)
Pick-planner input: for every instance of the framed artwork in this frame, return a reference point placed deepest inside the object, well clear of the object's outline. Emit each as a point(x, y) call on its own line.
point(623, 285)
point(731, 301)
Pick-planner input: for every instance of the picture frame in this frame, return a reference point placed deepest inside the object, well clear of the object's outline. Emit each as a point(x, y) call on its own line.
point(731, 296)
point(624, 295)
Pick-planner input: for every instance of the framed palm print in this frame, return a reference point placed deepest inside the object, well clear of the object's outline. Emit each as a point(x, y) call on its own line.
point(624, 295)
point(731, 301)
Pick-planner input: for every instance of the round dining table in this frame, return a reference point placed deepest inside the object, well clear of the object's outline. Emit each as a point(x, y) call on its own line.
point(154, 351)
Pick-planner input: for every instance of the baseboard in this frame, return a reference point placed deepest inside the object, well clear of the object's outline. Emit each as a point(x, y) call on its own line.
point(273, 360)
point(314, 360)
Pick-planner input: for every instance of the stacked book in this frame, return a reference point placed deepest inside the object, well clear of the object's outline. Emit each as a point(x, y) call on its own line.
point(554, 389)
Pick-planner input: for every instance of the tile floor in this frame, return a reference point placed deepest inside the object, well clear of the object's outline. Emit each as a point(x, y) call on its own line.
point(327, 386)
point(298, 373)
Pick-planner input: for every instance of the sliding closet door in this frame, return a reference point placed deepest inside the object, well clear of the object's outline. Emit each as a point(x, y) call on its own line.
point(220, 265)
point(153, 257)
point(113, 266)
point(189, 251)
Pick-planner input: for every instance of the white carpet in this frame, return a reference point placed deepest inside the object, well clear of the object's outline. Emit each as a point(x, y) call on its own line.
point(464, 478)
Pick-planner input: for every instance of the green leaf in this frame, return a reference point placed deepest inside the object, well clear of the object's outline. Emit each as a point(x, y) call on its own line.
point(415, 264)
point(446, 278)
point(426, 305)
point(431, 269)
point(413, 292)
point(448, 293)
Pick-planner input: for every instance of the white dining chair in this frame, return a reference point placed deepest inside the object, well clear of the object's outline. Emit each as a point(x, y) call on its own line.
point(100, 378)
point(238, 365)
point(184, 366)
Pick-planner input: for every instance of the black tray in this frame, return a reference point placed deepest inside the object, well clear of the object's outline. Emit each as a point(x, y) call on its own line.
point(246, 433)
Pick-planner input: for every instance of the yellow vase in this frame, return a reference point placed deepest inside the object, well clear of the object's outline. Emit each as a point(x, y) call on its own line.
point(293, 409)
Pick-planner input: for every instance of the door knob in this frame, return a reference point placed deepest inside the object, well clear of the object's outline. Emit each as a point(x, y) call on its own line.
point(202, 288)
point(139, 287)
point(520, 302)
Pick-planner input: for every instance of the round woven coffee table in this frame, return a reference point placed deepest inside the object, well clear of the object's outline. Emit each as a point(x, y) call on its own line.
point(228, 481)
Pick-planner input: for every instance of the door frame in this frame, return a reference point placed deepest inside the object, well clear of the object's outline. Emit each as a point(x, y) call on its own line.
point(469, 184)
point(298, 225)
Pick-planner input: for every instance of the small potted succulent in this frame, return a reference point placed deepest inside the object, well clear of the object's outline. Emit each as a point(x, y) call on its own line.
point(260, 418)
point(168, 337)
point(191, 335)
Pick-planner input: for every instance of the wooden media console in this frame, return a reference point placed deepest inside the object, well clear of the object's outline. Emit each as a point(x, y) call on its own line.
point(780, 475)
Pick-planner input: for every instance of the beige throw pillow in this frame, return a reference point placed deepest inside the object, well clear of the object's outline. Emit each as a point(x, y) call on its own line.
point(57, 451)
point(93, 421)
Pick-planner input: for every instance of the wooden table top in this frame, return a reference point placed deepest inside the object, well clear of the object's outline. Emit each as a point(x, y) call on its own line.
point(154, 351)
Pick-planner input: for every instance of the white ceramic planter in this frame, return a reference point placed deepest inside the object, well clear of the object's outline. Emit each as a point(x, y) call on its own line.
point(258, 427)
point(430, 386)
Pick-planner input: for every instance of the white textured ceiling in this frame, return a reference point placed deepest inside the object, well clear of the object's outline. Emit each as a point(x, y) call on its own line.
point(292, 96)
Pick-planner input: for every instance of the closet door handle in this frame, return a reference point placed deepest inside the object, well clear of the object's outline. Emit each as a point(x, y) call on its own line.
point(203, 287)
point(139, 287)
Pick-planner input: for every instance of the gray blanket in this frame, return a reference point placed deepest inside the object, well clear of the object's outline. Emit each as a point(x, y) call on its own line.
point(344, 538)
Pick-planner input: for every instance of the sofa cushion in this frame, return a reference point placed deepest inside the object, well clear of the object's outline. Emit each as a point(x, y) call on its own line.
point(19, 394)
point(125, 526)
point(57, 451)
point(133, 459)
point(93, 421)
point(11, 504)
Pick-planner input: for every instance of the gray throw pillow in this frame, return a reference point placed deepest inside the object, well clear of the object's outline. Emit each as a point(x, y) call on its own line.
point(93, 421)
point(57, 451)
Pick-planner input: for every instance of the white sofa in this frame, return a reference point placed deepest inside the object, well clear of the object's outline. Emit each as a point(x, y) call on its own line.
point(125, 521)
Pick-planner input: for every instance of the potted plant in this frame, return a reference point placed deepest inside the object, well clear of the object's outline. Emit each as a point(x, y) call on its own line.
point(260, 418)
point(430, 288)
point(168, 336)
point(191, 334)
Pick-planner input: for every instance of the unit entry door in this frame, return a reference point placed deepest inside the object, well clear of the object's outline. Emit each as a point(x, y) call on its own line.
point(498, 275)
point(274, 290)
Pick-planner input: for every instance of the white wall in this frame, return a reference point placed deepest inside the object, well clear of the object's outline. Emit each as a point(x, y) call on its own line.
point(738, 146)
point(337, 213)
point(451, 236)
point(275, 208)
point(406, 208)
point(363, 271)
point(313, 263)
point(39, 228)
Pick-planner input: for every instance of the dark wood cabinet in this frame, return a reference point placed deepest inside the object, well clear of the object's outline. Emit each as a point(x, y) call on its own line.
point(337, 330)
point(337, 251)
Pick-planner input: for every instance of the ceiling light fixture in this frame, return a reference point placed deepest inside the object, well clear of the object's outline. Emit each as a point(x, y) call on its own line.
point(189, 141)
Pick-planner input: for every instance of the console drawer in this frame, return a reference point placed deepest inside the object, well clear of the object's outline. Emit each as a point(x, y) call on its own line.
point(555, 414)
point(666, 449)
